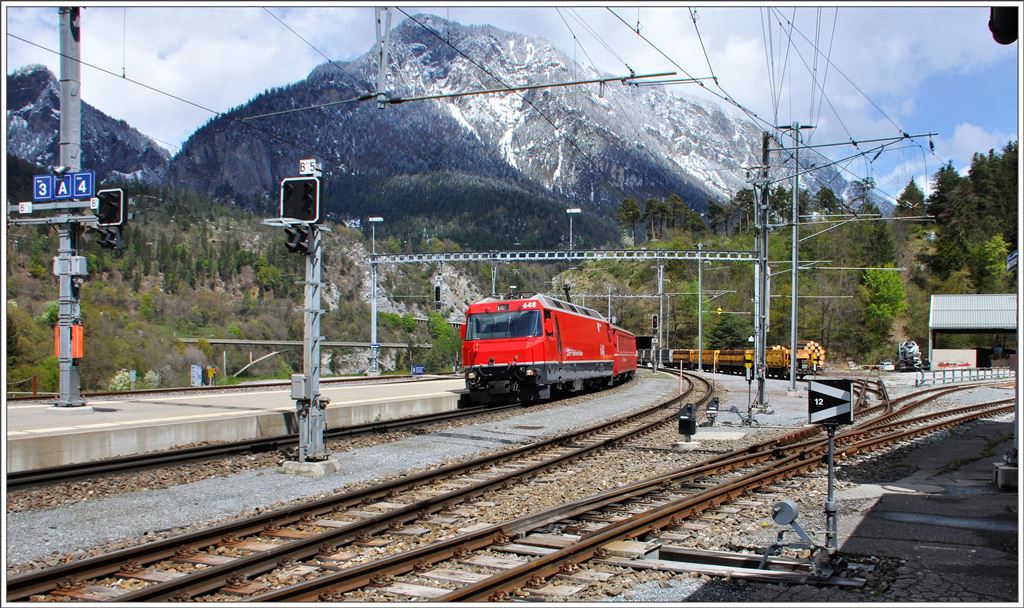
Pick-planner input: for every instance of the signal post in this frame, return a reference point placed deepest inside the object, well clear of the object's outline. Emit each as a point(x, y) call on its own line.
point(300, 217)
point(68, 193)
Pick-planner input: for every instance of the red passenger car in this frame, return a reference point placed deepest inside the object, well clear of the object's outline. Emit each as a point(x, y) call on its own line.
point(523, 349)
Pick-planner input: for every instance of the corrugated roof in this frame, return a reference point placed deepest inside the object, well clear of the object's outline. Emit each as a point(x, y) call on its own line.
point(973, 311)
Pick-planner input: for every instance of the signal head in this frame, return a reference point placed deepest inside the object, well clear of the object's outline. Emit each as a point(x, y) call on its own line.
point(300, 199)
point(111, 207)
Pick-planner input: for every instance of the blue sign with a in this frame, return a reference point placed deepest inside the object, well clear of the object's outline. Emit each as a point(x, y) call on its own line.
point(62, 187)
point(417, 370)
point(42, 187)
point(83, 184)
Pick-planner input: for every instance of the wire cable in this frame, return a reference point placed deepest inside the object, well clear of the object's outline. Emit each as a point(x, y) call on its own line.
point(693, 16)
point(310, 45)
point(559, 131)
point(297, 146)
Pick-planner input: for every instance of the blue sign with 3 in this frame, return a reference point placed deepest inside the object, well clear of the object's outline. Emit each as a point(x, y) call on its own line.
point(42, 187)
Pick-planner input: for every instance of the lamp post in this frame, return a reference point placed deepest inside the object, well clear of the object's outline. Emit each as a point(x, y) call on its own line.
point(374, 346)
point(571, 212)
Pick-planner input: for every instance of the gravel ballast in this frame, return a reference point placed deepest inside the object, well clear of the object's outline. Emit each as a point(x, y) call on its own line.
point(34, 535)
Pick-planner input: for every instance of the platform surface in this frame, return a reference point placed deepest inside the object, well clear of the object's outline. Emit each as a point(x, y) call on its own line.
point(39, 435)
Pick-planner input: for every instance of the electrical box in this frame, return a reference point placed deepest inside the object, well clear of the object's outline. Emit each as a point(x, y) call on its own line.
point(79, 266)
point(75, 266)
point(688, 420)
point(712, 409)
point(299, 387)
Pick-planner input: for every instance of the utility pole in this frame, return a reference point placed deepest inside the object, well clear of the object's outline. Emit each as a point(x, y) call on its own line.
point(700, 309)
point(794, 286)
point(661, 309)
point(795, 255)
point(761, 279)
point(69, 311)
point(374, 345)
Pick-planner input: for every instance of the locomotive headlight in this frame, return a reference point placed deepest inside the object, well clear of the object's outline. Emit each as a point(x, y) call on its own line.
point(471, 375)
point(530, 373)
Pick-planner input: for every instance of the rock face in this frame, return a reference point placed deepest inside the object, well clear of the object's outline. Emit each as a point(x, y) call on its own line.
point(110, 147)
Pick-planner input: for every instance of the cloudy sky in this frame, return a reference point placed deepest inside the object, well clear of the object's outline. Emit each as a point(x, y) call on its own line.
point(878, 71)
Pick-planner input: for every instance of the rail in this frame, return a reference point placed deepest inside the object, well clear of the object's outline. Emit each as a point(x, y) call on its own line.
point(953, 376)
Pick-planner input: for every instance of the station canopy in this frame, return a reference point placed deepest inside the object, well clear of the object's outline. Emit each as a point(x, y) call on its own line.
point(973, 313)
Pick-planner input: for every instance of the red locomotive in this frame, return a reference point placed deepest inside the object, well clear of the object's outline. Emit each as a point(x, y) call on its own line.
point(522, 349)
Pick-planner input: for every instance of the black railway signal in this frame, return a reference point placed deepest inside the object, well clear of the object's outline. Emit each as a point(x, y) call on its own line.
point(297, 239)
point(110, 237)
point(300, 199)
point(437, 296)
point(654, 322)
point(110, 211)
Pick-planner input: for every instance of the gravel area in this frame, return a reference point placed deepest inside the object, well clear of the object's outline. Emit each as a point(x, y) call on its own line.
point(34, 540)
point(151, 513)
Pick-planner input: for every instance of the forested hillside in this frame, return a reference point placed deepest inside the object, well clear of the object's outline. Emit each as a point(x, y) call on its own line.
point(199, 269)
point(192, 267)
point(859, 314)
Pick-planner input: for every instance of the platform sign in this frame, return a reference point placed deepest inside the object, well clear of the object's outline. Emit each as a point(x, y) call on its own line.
point(830, 402)
point(196, 375)
point(83, 183)
point(418, 370)
point(62, 187)
point(42, 188)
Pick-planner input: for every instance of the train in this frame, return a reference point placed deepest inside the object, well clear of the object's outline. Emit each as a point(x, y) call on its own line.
point(529, 349)
point(810, 359)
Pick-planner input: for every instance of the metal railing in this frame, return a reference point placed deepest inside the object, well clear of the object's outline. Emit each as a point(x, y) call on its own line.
point(953, 376)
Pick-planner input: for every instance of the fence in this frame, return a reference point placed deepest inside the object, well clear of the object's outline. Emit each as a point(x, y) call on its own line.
point(953, 376)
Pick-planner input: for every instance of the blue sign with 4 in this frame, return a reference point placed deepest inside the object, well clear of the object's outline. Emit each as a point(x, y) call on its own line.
point(83, 184)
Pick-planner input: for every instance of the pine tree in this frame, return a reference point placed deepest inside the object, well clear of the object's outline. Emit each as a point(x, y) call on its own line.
point(628, 215)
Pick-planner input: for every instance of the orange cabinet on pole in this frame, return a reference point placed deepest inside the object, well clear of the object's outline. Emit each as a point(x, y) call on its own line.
point(77, 341)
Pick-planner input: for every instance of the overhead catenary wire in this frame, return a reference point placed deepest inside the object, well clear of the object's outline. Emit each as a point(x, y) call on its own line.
point(300, 147)
point(616, 93)
point(853, 141)
point(559, 131)
point(310, 45)
point(370, 92)
point(693, 16)
point(848, 79)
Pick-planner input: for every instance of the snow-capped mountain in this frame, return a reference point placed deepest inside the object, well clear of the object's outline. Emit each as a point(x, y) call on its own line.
point(110, 147)
point(576, 145)
point(442, 165)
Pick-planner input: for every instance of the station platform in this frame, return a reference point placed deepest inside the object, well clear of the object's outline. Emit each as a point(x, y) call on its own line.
point(40, 435)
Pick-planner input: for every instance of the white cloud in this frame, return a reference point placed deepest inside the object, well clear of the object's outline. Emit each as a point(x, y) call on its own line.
point(967, 140)
point(221, 57)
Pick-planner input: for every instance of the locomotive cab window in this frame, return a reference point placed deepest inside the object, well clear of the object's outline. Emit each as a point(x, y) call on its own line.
point(493, 325)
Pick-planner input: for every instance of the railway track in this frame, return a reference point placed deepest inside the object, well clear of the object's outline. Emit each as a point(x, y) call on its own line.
point(136, 462)
point(522, 555)
point(212, 560)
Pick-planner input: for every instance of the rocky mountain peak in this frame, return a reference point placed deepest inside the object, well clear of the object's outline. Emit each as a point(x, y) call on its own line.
point(110, 147)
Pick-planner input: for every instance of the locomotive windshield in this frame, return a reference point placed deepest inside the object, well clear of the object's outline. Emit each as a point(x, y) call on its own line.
point(491, 325)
